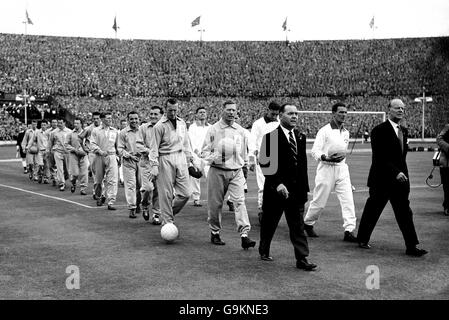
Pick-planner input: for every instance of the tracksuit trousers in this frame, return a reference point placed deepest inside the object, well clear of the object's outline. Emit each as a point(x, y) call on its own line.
point(332, 177)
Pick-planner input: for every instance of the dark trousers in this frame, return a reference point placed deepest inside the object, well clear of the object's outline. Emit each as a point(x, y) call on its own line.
point(377, 200)
point(273, 207)
point(444, 172)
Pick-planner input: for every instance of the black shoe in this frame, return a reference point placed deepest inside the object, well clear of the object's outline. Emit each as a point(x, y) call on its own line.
point(310, 232)
point(215, 239)
point(62, 188)
point(53, 183)
point(83, 193)
point(146, 214)
point(103, 199)
point(132, 213)
point(415, 252)
point(305, 265)
point(349, 237)
point(156, 220)
point(230, 205)
point(94, 197)
point(364, 245)
point(446, 212)
point(39, 180)
point(111, 207)
point(25, 170)
point(72, 188)
point(45, 181)
point(197, 203)
point(99, 203)
point(247, 243)
point(266, 257)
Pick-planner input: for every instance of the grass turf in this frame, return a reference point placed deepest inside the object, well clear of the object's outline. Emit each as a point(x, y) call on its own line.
point(120, 258)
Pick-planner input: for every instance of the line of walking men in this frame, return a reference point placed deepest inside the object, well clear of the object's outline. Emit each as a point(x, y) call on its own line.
point(158, 158)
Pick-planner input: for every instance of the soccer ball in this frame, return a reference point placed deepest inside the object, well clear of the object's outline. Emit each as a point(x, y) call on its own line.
point(169, 232)
point(33, 150)
point(339, 149)
point(226, 147)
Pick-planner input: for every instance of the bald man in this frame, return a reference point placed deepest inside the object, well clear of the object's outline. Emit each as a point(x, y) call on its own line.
point(388, 181)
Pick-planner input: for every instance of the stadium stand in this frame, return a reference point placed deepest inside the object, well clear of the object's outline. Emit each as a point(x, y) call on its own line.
point(87, 74)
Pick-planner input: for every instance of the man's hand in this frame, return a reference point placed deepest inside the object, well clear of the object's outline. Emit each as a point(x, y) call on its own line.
point(154, 171)
point(336, 157)
point(282, 190)
point(401, 177)
point(245, 171)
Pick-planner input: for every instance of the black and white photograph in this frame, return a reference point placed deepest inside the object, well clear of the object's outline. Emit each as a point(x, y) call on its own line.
point(217, 158)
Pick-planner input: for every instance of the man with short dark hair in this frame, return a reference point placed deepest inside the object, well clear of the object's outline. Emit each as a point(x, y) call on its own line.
point(86, 136)
point(29, 144)
point(128, 152)
point(78, 159)
point(42, 144)
point(332, 173)
point(123, 125)
point(225, 148)
point(170, 151)
point(197, 133)
point(283, 161)
point(148, 190)
point(57, 145)
point(261, 127)
point(104, 146)
point(443, 144)
point(388, 181)
point(50, 172)
point(20, 150)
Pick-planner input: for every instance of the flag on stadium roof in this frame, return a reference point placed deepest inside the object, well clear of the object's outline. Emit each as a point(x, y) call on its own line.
point(284, 25)
point(371, 24)
point(28, 18)
point(114, 26)
point(196, 21)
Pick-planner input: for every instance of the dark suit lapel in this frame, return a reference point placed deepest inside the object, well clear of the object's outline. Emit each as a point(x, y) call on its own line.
point(394, 137)
point(286, 143)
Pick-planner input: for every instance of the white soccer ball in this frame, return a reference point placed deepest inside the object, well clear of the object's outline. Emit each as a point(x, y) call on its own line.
point(226, 147)
point(339, 149)
point(169, 232)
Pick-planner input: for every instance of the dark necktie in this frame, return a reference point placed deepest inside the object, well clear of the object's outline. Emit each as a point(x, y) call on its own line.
point(401, 138)
point(292, 143)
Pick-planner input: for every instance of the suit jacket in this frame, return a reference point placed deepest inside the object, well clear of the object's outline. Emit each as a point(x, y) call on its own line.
point(278, 165)
point(387, 159)
point(443, 144)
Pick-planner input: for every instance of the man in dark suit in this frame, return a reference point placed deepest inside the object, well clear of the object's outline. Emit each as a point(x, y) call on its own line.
point(283, 162)
point(388, 181)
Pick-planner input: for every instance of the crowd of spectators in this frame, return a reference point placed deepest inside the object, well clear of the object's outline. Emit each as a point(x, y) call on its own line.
point(138, 73)
point(9, 126)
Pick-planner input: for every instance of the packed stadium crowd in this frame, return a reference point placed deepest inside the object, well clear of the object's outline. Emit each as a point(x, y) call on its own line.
point(134, 74)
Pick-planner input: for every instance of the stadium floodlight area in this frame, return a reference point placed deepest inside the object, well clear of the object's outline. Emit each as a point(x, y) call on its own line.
point(356, 121)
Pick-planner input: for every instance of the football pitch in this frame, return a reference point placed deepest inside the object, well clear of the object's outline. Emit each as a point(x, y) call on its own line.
point(47, 234)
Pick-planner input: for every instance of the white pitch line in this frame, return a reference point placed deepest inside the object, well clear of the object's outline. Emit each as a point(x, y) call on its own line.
point(10, 160)
point(47, 196)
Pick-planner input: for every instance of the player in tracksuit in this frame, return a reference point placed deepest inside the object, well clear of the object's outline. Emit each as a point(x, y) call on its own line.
point(332, 173)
